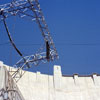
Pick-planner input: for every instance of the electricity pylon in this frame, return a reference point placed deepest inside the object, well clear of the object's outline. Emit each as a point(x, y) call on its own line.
point(31, 9)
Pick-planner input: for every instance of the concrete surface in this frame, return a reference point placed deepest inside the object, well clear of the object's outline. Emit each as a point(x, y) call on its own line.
point(8, 87)
point(37, 86)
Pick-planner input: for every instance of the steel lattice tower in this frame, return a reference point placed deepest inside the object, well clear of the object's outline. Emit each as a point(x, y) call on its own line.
point(22, 8)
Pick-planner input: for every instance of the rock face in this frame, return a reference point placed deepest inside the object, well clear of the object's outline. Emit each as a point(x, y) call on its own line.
point(37, 86)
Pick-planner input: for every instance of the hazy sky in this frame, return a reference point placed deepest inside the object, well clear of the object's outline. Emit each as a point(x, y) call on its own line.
point(74, 27)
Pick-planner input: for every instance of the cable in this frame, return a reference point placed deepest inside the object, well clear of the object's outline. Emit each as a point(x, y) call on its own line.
point(73, 44)
point(88, 44)
point(11, 38)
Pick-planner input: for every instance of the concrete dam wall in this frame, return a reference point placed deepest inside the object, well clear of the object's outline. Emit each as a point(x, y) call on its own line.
point(8, 87)
point(37, 86)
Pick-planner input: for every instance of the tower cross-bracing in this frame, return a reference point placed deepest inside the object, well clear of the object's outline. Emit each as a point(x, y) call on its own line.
point(31, 9)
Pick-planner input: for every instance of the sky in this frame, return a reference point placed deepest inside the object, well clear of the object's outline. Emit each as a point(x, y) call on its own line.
point(75, 28)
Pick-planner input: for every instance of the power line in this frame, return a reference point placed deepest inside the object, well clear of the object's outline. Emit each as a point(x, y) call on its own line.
point(55, 43)
point(31, 44)
point(76, 44)
point(80, 44)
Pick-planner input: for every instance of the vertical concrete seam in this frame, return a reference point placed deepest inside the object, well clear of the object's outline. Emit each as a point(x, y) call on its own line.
point(48, 89)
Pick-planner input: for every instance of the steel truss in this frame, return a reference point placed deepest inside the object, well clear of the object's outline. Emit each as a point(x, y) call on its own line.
point(31, 9)
point(9, 91)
